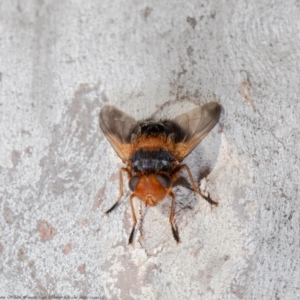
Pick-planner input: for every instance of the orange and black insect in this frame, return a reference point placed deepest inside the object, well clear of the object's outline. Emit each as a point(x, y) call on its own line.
point(153, 151)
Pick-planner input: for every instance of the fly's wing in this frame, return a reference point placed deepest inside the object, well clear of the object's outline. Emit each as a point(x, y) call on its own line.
point(116, 126)
point(195, 125)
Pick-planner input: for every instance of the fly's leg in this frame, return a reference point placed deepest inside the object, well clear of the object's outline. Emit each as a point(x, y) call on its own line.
point(171, 219)
point(121, 191)
point(134, 220)
point(208, 199)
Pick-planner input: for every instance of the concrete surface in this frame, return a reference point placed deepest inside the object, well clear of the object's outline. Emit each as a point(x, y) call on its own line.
point(61, 61)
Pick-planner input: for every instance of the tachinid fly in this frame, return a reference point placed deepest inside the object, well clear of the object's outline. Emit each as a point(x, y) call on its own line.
point(152, 152)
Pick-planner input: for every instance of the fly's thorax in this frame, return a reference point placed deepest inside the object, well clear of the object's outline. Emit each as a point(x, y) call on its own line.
point(151, 161)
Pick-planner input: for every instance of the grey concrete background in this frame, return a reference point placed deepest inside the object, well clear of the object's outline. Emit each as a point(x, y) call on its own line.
point(61, 61)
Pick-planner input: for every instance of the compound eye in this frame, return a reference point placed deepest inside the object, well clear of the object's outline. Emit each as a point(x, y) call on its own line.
point(164, 180)
point(133, 182)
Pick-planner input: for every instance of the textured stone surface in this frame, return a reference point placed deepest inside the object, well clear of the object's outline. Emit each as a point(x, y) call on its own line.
point(61, 61)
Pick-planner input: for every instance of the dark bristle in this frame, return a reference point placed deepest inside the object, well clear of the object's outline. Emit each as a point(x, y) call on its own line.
point(175, 234)
point(112, 208)
point(210, 201)
point(130, 240)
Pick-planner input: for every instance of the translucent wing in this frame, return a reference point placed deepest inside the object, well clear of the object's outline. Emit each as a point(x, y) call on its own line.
point(116, 126)
point(196, 124)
